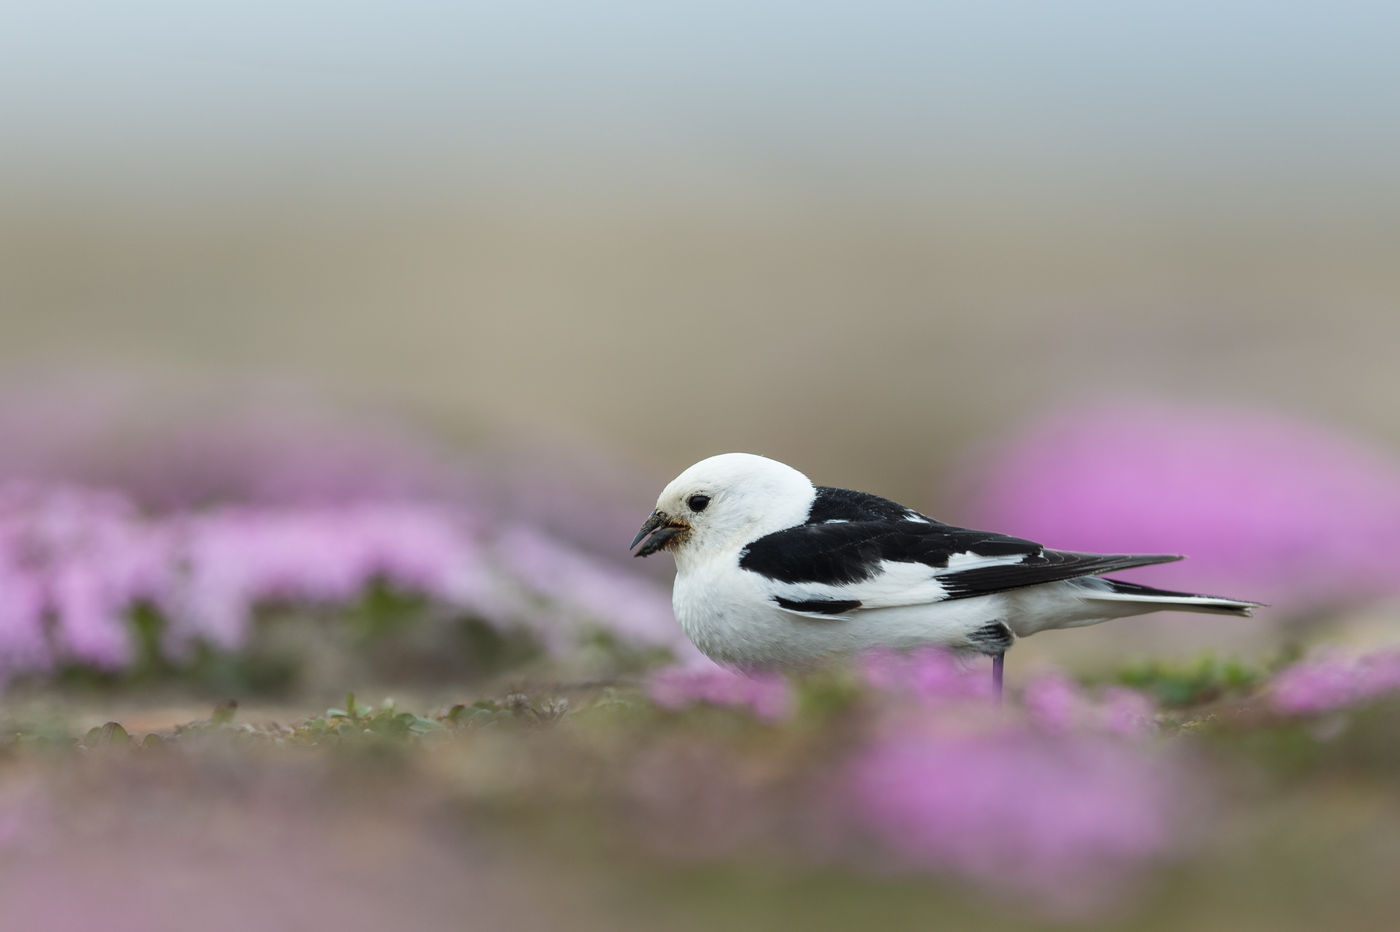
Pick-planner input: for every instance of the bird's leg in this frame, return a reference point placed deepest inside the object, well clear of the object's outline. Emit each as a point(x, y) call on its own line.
point(994, 639)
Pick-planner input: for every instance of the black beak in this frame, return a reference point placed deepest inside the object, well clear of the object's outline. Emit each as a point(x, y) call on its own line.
point(661, 529)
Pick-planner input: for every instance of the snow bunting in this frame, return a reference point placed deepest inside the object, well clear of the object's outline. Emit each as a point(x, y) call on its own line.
point(772, 571)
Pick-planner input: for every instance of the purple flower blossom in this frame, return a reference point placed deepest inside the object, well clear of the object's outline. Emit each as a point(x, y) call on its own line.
point(211, 517)
point(1126, 712)
point(1267, 507)
point(74, 562)
point(23, 647)
point(1328, 683)
point(613, 600)
point(238, 558)
point(1057, 704)
point(767, 696)
point(1065, 817)
point(929, 674)
point(81, 557)
point(91, 617)
point(1051, 702)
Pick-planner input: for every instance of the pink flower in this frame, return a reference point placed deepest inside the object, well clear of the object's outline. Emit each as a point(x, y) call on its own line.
point(1056, 703)
point(766, 696)
point(1064, 817)
point(1267, 507)
point(592, 590)
point(1126, 712)
point(237, 558)
point(1053, 702)
point(91, 616)
point(1329, 683)
point(23, 647)
point(288, 504)
point(84, 559)
point(81, 557)
point(929, 674)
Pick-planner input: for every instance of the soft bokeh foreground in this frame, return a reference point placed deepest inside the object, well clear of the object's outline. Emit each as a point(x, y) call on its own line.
point(558, 757)
point(889, 794)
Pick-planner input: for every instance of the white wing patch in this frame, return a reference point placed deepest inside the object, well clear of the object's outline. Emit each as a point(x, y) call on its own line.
point(896, 584)
point(959, 562)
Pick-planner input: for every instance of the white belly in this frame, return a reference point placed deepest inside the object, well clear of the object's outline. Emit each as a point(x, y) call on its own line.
point(729, 618)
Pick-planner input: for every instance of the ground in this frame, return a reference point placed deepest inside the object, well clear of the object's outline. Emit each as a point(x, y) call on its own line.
point(595, 807)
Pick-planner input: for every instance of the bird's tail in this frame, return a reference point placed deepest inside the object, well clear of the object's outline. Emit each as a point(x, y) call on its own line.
point(1115, 590)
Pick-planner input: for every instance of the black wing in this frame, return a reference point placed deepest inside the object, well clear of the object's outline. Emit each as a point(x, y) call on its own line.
point(850, 537)
point(853, 551)
point(1045, 567)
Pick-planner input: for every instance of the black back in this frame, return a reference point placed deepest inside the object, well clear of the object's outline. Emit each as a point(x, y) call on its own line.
point(849, 534)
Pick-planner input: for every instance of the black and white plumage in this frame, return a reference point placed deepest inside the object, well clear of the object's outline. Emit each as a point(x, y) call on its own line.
point(774, 571)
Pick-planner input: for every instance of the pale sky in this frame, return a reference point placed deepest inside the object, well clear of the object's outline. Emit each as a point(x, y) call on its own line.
point(571, 93)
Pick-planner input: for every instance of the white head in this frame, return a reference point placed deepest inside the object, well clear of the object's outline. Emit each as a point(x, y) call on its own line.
point(723, 503)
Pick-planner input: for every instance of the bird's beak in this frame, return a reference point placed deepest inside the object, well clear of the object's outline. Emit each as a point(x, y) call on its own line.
point(661, 527)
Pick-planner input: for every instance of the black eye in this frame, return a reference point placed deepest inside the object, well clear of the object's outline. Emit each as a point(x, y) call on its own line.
point(698, 502)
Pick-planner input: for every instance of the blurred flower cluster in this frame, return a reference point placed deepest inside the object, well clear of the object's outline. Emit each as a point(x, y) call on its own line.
point(1067, 818)
point(928, 675)
point(1049, 701)
point(1328, 683)
point(1060, 797)
point(75, 563)
point(1266, 507)
point(768, 697)
point(202, 525)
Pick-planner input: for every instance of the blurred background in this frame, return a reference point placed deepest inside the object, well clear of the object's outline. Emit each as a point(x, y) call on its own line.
point(857, 238)
point(869, 240)
point(345, 346)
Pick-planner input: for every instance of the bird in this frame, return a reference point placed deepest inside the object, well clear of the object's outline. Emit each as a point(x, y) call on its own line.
point(774, 572)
